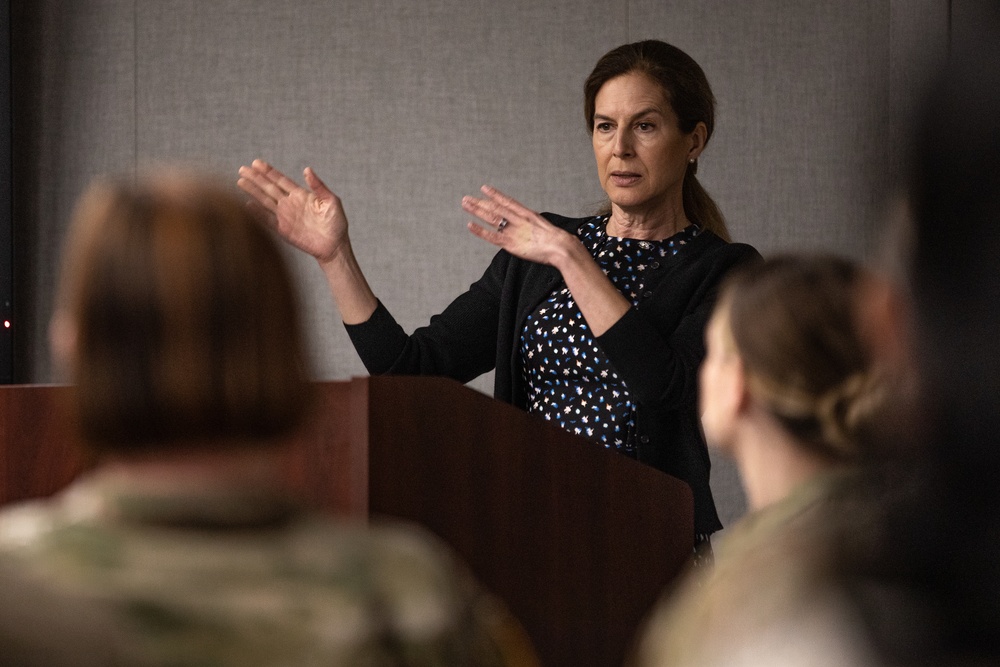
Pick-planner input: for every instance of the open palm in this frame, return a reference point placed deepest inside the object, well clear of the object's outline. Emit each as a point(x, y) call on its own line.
point(312, 220)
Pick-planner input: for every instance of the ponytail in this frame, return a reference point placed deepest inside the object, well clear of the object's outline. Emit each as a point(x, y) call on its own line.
point(700, 208)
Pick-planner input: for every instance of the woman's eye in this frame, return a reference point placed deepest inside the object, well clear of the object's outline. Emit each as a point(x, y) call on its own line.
point(603, 127)
point(645, 127)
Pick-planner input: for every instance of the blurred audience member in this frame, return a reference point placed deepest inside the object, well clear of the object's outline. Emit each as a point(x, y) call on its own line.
point(927, 584)
point(178, 320)
point(40, 627)
point(908, 574)
point(788, 389)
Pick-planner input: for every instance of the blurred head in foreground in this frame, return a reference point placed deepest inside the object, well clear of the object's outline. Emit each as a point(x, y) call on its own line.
point(908, 573)
point(187, 544)
point(177, 318)
point(788, 375)
point(789, 389)
point(930, 590)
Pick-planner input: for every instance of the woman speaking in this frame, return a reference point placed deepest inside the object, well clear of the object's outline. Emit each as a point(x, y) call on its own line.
point(594, 323)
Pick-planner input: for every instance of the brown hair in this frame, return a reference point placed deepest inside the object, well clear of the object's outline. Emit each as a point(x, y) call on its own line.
point(184, 317)
point(793, 320)
point(686, 89)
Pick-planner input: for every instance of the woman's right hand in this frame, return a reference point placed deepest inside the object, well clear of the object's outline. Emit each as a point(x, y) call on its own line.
point(312, 220)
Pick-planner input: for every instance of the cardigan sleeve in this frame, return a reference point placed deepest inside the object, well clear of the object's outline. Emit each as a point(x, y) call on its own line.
point(459, 343)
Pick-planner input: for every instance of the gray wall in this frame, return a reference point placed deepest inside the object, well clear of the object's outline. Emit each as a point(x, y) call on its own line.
point(403, 107)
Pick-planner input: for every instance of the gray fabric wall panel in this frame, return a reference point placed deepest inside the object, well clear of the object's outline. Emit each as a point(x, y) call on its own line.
point(798, 159)
point(404, 107)
point(401, 107)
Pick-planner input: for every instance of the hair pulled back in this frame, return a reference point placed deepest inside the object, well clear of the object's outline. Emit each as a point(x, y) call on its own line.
point(690, 96)
point(793, 322)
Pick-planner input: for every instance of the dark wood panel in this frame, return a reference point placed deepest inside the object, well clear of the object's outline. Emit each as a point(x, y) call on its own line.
point(579, 540)
point(328, 461)
point(39, 450)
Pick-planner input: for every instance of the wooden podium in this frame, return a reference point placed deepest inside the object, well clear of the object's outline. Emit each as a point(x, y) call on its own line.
point(578, 541)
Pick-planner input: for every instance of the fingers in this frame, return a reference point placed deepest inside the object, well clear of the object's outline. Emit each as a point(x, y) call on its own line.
point(265, 183)
point(255, 182)
point(285, 184)
point(248, 184)
point(315, 184)
point(509, 203)
point(486, 211)
point(485, 233)
point(489, 211)
point(498, 210)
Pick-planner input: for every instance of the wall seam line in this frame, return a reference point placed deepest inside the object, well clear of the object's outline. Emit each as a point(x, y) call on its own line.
point(135, 89)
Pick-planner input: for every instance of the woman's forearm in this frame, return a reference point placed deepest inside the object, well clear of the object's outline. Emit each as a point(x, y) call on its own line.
point(599, 300)
point(352, 295)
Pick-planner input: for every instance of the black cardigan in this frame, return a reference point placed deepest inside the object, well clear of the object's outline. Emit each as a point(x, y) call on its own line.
point(656, 347)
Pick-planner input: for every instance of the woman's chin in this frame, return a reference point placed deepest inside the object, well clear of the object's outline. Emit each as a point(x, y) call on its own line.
point(629, 202)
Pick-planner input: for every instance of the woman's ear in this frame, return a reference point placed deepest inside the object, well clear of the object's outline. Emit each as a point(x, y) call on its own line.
point(738, 388)
point(699, 137)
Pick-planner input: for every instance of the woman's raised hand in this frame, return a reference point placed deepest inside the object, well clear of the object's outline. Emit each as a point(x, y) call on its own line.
point(516, 228)
point(526, 234)
point(312, 220)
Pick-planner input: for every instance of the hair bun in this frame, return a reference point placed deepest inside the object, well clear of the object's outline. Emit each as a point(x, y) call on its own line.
point(846, 411)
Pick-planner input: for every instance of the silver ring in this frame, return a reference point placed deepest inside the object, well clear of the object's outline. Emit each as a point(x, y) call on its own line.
point(503, 223)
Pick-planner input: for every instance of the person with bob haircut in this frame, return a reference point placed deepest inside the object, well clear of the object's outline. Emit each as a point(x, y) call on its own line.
point(791, 390)
point(179, 296)
point(592, 323)
point(178, 320)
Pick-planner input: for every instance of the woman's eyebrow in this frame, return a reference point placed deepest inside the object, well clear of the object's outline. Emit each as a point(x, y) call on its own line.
point(650, 110)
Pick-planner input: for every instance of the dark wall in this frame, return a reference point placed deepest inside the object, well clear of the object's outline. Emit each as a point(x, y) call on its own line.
point(6, 202)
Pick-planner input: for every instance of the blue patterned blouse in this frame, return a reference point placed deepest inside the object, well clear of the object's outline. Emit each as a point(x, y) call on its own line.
point(570, 380)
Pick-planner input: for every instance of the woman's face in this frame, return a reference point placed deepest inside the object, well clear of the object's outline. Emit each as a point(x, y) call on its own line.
point(720, 383)
point(641, 153)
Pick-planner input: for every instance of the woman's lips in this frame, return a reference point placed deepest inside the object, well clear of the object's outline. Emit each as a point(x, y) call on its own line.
point(624, 178)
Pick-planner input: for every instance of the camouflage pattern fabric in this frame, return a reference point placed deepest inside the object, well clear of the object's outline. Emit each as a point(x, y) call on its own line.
point(766, 601)
point(226, 577)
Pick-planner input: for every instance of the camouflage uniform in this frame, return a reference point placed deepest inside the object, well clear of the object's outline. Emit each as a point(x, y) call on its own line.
point(240, 576)
point(766, 600)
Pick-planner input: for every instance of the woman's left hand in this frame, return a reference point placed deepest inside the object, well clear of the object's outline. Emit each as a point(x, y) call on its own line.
point(525, 234)
point(516, 228)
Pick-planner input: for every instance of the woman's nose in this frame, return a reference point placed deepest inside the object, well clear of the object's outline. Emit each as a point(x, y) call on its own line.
point(623, 144)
